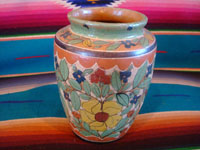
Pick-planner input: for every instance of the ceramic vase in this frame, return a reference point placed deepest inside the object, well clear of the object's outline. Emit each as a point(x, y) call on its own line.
point(104, 63)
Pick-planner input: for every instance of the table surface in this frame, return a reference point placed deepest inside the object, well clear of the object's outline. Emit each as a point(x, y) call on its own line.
point(32, 117)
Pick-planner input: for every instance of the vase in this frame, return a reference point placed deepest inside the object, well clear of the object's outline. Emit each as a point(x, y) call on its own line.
point(104, 64)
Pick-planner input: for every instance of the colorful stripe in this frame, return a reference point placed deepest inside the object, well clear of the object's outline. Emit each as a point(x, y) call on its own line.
point(156, 130)
point(41, 16)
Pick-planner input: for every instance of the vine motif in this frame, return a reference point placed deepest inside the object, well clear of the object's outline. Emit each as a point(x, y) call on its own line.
point(73, 39)
point(101, 104)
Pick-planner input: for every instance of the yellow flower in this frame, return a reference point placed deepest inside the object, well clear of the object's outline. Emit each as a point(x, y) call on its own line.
point(87, 43)
point(100, 116)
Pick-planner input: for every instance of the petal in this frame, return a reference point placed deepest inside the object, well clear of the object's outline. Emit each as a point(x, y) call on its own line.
point(89, 105)
point(96, 108)
point(112, 108)
point(113, 120)
point(86, 116)
point(99, 126)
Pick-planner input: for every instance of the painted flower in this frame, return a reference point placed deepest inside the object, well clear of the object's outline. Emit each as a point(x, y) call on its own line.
point(135, 99)
point(66, 95)
point(100, 76)
point(78, 75)
point(128, 43)
point(56, 62)
point(130, 113)
point(87, 43)
point(149, 70)
point(124, 76)
point(65, 35)
point(99, 116)
point(76, 114)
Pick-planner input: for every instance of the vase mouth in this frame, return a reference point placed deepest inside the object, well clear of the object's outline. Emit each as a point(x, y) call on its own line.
point(107, 20)
point(108, 16)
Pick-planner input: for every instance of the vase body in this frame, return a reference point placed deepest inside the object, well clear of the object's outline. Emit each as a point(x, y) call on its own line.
point(104, 65)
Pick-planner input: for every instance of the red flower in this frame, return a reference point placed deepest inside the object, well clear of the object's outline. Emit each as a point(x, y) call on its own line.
point(76, 114)
point(130, 113)
point(100, 76)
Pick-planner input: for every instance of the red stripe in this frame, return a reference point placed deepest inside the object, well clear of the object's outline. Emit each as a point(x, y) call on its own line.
point(32, 57)
point(161, 51)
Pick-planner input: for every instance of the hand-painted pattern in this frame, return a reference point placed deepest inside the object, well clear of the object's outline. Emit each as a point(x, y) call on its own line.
point(102, 103)
point(70, 38)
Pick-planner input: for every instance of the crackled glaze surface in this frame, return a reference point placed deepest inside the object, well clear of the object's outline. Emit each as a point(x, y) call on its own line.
point(103, 81)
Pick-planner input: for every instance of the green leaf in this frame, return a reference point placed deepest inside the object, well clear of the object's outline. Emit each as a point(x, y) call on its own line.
point(122, 99)
point(94, 132)
point(74, 68)
point(126, 87)
point(61, 85)
point(145, 83)
point(126, 110)
point(96, 90)
point(76, 103)
point(110, 92)
point(74, 36)
point(114, 135)
point(113, 46)
point(87, 71)
point(76, 124)
point(105, 90)
point(85, 97)
point(85, 133)
point(100, 42)
point(144, 42)
point(121, 124)
point(75, 84)
point(136, 91)
point(106, 133)
point(58, 76)
point(116, 82)
point(140, 75)
point(69, 105)
point(120, 129)
point(64, 69)
point(86, 87)
point(86, 126)
point(97, 46)
point(109, 98)
point(130, 67)
point(75, 41)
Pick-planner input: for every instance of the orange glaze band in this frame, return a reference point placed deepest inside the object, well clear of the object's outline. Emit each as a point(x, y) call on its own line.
point(104, 63)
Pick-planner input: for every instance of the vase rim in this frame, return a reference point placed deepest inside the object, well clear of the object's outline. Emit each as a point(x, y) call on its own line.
point(133, 19)
point(107, 22)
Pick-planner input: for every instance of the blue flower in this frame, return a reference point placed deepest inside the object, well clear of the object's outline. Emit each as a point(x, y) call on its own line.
point(149, 70)
point(124, 76)
point(79, 76)
point(128, 43)
point(135, 99)
point(56, 62)
point(66, 34)
point(66, 95)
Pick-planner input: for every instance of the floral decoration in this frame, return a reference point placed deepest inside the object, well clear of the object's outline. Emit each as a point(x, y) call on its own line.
point(149, 70)
point(125, 75)
point(66, 95)
point(135, 99)
point(100, 76)
point(79, 76)
point(101, 103)
point(73, 39)
point(99, 115)
point(128, 43)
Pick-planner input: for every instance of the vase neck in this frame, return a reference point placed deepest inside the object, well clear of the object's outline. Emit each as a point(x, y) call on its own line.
point(107, 23)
